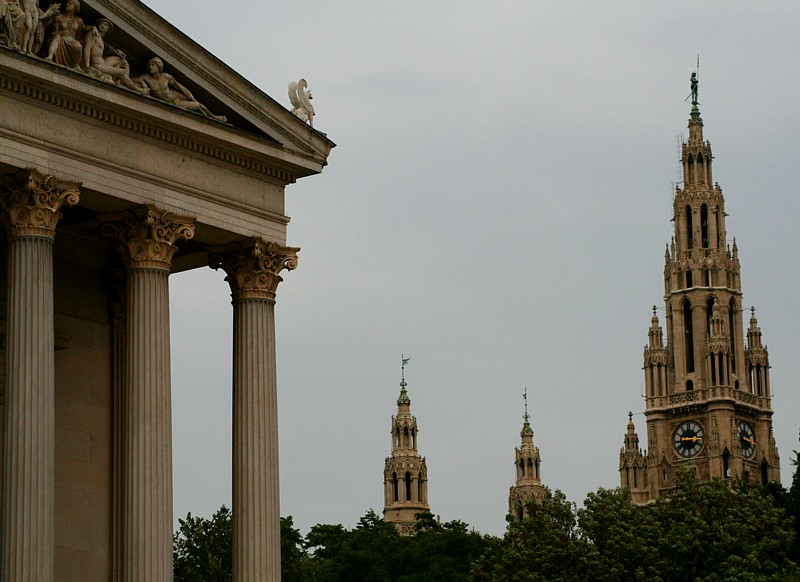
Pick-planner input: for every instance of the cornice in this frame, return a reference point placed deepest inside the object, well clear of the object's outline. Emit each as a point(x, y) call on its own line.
point(58, 99)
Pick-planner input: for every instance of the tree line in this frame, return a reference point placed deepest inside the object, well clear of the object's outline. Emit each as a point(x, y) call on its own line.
point(712, 532)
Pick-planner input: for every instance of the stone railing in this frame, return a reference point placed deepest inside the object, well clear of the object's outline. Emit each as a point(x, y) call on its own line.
point(713, 393)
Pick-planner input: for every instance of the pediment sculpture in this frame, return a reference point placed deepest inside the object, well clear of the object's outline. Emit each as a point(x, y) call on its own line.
point(58, 34)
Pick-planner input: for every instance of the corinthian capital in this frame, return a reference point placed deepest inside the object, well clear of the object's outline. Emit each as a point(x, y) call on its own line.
point(31, 201)
point(148, 236)
point(253, 267)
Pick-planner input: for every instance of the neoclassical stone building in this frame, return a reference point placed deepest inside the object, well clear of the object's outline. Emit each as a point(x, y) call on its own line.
point(127, 153)
point(708, 401)
point(405, 473)
point(528, 485)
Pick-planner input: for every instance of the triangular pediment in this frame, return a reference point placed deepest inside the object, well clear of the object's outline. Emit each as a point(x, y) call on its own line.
point(140, 34)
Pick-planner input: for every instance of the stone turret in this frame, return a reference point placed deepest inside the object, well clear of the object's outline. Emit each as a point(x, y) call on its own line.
point(527, 460)
point(405, 473)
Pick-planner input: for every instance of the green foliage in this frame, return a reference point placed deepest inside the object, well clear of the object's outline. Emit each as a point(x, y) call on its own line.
point(544, 546)
point(713, 532)
point(374, 551)
point(202, 548)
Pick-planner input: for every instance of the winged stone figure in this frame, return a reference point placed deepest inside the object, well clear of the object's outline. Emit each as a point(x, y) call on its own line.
point(301, 101)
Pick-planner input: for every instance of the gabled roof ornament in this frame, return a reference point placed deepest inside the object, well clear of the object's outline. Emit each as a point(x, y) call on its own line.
point(301, 101)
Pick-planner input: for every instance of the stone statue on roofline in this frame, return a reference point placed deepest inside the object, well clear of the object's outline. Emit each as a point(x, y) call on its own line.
point(65, 44)
point(165, 87)
point(103, 61)
point(21, 24)
point(301, 101)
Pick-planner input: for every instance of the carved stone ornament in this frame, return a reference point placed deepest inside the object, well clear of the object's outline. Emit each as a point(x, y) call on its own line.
point(61, 36)
point(301, 101)
point(148, 236)
point(31, 202)
point(253, 267)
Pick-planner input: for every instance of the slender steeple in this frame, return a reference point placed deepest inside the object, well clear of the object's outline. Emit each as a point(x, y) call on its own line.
point(527, 461)
point(405, 473)
point(632, 463)
point(707, 399)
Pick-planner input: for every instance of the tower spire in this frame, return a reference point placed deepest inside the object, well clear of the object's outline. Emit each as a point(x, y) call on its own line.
point(528, 486)
point(405, 473)
point(526, 417)
point(403, 398)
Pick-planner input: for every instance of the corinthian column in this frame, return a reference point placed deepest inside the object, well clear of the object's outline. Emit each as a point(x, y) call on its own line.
point(148, 238)
point(30, 202)
point(253, 269)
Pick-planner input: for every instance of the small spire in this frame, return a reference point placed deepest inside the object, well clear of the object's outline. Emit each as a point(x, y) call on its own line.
point(526, 417)
point(403, 398)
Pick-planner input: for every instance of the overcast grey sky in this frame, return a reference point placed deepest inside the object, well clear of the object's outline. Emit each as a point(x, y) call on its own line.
point(497, 208)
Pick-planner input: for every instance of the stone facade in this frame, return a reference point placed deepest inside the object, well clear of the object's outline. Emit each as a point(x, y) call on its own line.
point(119, 166)
point(708, 401)
point(405, 473)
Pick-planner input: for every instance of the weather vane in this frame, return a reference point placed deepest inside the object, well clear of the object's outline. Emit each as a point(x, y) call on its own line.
point(403, 363)
point(526, 417)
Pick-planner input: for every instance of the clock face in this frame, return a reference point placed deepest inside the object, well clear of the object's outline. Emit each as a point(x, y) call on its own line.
point(688, 438)
point(746, 438)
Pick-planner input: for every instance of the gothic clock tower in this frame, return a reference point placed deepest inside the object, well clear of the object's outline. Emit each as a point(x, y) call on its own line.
point(708, 404)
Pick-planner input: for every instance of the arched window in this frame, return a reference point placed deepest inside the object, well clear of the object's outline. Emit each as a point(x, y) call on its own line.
point(732, 333)
point(530, 468)
point(704, 225)
point(726, 468)
point(701, 179)
point(635, 476)
point(709, 314)
point(689, 385)
point(537, 469)
point(759, 385)
point(408, 486)
point(764, 472)
point(395, 487)
point(688, 337)
point(660, 380)
point(689, 234)
point(405, 436)
point(521, 468)
point(420, 497)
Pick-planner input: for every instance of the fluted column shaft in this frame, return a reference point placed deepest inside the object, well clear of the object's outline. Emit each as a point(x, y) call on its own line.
point(148, 239)
point(252, 269)
point(30, 202)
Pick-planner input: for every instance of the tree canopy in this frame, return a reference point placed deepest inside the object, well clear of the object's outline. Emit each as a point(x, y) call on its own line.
point(710, 532)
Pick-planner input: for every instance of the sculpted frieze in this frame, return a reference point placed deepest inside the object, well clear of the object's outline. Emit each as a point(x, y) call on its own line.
point(60, 35)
